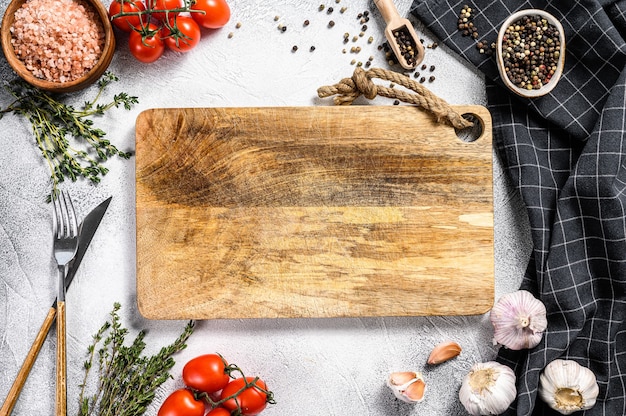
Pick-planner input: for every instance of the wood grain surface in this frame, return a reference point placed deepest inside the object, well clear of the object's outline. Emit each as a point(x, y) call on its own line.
point(312, 212)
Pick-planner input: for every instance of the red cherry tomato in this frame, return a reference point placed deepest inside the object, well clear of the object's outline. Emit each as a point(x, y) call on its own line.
point(216, 13)
point(219, 411)
point(146, 48)
point(126, 23)
point(206, 373)
point(181, 403)
point(158, 7)
point(182, 34)
point(252, 400)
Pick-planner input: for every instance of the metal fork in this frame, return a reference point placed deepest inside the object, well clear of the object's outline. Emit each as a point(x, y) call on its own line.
point(65, 229)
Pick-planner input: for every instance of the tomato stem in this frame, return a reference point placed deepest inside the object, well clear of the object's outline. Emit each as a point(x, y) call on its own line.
point(230, 369)
point(150, 11)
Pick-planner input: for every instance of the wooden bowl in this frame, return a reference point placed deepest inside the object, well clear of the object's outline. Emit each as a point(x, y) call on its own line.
point(58, 87)
point(561, 61)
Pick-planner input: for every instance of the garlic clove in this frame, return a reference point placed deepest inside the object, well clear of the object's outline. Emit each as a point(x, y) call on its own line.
point(519, 320)
point(400, 378)
point(443, 352)
point(415, 391)
point(407, 386)
point(568, 387)
point(488, 389)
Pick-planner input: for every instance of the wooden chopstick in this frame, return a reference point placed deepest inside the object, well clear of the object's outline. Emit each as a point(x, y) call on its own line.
point(22, 375)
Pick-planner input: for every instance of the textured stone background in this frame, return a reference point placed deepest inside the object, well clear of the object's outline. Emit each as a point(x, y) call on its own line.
point(314, 366)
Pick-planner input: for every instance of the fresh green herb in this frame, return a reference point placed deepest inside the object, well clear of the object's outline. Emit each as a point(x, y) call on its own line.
point(127, 381)
point(54, 122)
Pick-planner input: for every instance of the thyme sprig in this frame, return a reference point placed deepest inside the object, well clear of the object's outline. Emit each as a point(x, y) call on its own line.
point(127, 380)
point(54, 123)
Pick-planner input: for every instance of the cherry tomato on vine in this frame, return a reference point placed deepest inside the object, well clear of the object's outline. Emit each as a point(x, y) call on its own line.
point(158, 6)
point(206, 373)
point(182, 34)
point(252, 400)
point(216, 13)
point(146, 45)
point(181, 403)
point(219, 411)
point(126, 23)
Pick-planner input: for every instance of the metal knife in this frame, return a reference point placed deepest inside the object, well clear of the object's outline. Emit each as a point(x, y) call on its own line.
point(87, 230)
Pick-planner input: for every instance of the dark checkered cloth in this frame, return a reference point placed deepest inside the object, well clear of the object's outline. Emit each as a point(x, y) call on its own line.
point(566, 154)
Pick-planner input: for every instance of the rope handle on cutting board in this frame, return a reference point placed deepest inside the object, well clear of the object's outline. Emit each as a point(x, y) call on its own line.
point(349, 89)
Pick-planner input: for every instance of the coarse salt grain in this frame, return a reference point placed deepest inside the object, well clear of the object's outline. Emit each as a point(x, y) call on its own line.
point(57, 40)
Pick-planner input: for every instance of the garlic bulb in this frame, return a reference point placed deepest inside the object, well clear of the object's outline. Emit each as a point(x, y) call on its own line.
point(568, 387)
point(407, 386)
point(488, 389)
point(519, 320)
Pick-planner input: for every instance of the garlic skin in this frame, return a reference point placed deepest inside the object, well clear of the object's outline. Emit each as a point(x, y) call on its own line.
point(519, 320)
point(488, 389)
point(407, 386)
point(568, 387)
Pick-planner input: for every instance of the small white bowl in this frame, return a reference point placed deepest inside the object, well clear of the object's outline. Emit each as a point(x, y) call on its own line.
point(561, 62)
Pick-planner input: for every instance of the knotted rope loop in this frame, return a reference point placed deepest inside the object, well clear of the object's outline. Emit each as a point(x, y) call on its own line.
point(349, 89)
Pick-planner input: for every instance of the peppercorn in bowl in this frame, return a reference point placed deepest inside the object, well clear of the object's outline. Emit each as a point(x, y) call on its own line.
point(58, 45)
point(530, 52)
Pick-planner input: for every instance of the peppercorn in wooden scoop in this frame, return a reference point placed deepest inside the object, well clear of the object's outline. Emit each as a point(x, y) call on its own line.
point(401, 36)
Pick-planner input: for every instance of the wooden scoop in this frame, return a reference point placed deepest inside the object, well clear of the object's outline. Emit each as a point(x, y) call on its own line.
point(401, 36)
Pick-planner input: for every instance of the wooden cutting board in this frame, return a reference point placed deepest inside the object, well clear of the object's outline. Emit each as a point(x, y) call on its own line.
point(312, 212)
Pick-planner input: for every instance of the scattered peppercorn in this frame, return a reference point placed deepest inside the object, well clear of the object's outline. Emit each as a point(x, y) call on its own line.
point(331, 23)
point(312, 48)
point(330, 10)
point(432, 68)
point(396, 102)
point(238, 25)
point(294, 48)
point(306, 22)
point(465, 23)
point(431, 79)
point(422, 79)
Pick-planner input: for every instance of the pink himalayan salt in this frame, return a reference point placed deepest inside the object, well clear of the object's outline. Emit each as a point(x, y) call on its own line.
point(57, 40)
